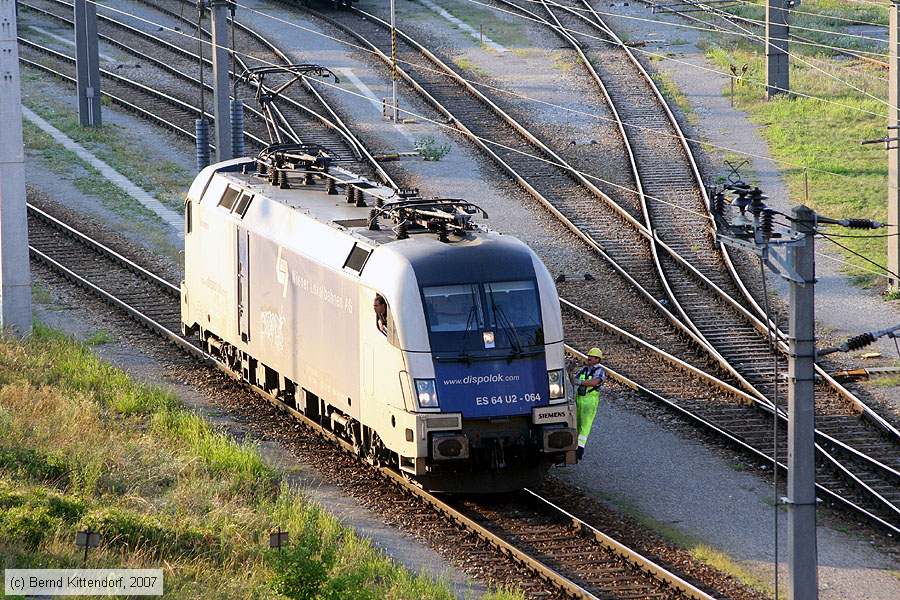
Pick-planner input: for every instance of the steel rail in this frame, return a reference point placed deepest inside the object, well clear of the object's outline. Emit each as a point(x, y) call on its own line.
point(864, 408)
point(624, 129)
point(822, 439)
point(733, 19)
point(332, 121)
point(734, 439)
point(114, 98)
point(188, 55)
point(625, 552)
point(340, 127)
point(129, 83)
point(886, 471)
point(170, 288)
point(535, 565)
point(157, 62)
point(522, 180)
point(835, 440)
point(731, 271)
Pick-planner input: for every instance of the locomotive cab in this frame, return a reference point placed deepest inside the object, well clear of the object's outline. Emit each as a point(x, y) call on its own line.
point(480, 329)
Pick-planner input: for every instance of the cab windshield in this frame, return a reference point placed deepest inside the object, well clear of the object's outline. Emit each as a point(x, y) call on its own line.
point(487, 317)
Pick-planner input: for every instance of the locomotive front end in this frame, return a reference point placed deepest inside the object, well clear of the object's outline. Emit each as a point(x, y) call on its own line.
point(495, 371)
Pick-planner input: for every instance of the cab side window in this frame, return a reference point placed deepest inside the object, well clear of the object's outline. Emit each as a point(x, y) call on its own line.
point(384, 321)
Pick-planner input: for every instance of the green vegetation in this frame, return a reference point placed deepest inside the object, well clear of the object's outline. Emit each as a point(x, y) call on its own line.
point(86, 179)
point(466, 64)
point(120, 149)
point(83, 176)
point(98, 338)
point(890, 381)
point(565, 60)
point(724, 563)
point(815, 135)
point(430, 150)
point(505, 31)
point(40, 294)
point(82, 445)
point(699, 550)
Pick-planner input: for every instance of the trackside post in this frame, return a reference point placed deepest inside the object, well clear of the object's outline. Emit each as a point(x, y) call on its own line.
point(87, 64)
point(777, 32)
point(801, 486)
point(15, 273)
point(221, 63)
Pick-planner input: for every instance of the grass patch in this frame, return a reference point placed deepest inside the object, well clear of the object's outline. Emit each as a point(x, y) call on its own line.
point(504, 32)
point(564, 61)
point(40, 294)
point(721, 561)
point(821, 140)
point(697, 549)
point(98, 338)
point(673, 94)
point(468, 65)
point(83, 176)
point(430, 150)
point(885, 381)
point(82, 445)
point(116, 146)
point(87, 180)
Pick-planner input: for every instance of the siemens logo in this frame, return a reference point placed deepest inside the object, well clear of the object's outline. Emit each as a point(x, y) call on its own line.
point(560, 414)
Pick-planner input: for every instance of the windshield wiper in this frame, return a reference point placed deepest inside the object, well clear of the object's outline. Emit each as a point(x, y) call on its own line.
point(510, 330)
point(465, 341)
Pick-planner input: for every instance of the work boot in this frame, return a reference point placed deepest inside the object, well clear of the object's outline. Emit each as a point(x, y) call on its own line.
point(579, 454)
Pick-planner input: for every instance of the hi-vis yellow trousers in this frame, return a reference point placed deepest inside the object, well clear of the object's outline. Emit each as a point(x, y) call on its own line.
point(586, 410)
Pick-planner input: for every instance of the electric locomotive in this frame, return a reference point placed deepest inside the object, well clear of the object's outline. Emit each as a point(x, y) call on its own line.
point(427, 341)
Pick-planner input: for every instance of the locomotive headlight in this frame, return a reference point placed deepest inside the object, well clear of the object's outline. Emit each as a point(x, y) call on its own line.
point(556, 379)
point(427, 393)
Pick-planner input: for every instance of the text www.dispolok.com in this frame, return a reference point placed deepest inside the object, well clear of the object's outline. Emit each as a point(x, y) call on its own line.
point(479, 379)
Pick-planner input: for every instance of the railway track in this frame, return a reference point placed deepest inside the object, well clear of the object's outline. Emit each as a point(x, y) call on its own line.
point(177, 60)
point(572, 556)
point(734, 331)
point(856, 453)
point(743, 426)
point(301, 109)
point(665, 170)
point(688, 9)
point(147, 102)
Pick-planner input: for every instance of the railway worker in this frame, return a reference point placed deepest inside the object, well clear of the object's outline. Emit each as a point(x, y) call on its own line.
point(380, 307)
point(589, 379)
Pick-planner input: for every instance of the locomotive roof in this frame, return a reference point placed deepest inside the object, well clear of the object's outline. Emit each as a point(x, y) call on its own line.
point(334, 210)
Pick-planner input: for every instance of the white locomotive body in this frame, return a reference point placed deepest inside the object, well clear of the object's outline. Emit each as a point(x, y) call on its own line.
point(459, 382)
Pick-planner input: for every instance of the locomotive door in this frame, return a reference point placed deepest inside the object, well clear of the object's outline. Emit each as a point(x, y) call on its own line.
point(243, 283)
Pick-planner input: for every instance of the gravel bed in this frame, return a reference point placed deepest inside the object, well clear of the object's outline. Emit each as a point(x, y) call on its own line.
point(265, 423)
